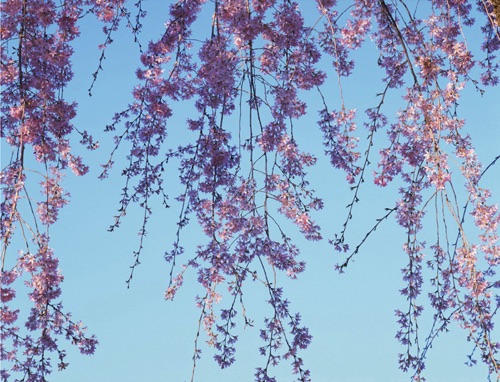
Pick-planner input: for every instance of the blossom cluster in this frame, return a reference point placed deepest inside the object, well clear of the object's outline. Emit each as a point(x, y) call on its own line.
point(244, 173)
point(30, 354)
point(238, 188)
point(36, 125)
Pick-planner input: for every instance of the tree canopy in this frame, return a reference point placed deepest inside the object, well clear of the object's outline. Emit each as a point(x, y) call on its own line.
point(250, 70)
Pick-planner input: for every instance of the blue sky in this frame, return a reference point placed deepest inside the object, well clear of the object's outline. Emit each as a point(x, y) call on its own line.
point(144, 338)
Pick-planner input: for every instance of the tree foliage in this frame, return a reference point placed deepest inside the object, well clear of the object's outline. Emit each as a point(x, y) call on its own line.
point(243, 181)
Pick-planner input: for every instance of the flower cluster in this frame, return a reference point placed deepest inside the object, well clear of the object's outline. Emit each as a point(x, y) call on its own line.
point(431, 61)
point(36, 125)
point(338, 128)
point(244, 173)
point(30, 354)
point(232, 188)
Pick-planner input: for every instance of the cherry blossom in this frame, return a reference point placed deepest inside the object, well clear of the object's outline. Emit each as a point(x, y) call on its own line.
point(249, 74)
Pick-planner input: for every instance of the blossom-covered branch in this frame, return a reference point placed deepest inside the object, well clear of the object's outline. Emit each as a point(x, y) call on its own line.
point(244, 174)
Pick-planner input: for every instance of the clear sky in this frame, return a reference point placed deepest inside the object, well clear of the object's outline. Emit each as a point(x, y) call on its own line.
point(145, 338)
